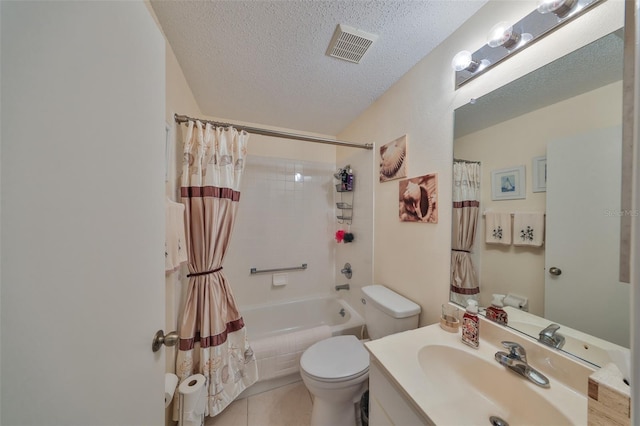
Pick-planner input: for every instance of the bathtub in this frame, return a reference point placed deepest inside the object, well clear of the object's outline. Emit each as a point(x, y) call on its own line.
point(279, 334)
point(266, 321)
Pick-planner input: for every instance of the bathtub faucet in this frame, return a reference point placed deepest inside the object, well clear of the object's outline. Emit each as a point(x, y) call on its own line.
point(342, 287)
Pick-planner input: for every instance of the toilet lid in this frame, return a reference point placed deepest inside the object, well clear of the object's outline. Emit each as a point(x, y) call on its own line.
point(334, 358)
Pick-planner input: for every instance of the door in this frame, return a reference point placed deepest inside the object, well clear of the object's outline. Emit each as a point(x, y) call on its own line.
point(82, 220)
point(583, 208)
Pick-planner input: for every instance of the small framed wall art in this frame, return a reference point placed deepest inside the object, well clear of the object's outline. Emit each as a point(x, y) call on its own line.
point(508, 184)
point(539, 167)
point(418, 199)
point(393, 159)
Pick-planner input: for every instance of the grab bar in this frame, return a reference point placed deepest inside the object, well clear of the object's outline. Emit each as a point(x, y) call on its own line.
point(294, 268)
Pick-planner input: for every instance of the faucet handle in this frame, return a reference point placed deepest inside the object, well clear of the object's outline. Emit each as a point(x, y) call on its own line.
point(515, 350)
point(550, 330)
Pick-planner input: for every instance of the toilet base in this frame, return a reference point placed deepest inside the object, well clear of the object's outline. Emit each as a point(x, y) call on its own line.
point(325, 413)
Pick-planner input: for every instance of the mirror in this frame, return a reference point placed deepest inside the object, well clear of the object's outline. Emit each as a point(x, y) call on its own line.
point(532, 122)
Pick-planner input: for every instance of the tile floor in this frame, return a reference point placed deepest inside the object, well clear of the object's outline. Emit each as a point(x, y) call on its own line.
point(288, 405)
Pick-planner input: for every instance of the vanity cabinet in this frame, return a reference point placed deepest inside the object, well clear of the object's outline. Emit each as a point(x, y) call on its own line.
point(387, 405)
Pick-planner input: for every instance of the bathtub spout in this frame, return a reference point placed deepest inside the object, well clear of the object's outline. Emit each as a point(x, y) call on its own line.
point(342, 287)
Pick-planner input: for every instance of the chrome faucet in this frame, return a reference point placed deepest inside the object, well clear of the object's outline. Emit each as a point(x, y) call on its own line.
point(549, 337)
point(342, 287)
point(516, 361)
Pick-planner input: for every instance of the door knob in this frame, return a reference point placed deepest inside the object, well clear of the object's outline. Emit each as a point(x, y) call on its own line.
point(555, 271)
point(160, 338)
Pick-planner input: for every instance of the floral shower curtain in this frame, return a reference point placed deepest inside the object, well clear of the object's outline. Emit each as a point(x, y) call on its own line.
point(212, 334)
point(466, 206)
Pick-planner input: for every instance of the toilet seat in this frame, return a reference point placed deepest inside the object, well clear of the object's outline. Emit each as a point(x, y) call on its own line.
point(335, 359)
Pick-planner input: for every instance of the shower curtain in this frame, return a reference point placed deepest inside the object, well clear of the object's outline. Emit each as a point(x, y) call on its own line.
point(213, 338)
point(466, 206)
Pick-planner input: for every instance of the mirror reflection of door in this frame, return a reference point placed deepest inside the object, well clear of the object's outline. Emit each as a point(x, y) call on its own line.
point(583, 232)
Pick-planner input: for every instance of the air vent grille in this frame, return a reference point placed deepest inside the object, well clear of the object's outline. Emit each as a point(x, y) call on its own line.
point(350, 44)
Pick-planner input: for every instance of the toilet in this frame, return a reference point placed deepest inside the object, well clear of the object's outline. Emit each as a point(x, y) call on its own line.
point(335, 370)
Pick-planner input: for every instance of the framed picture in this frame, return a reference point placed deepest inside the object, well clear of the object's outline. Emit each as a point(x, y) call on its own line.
point(539, 167)
point(508, 184)
point(393, 159)
point(418, 199)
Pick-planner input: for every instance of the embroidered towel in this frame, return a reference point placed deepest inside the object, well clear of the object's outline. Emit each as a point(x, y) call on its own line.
point(528, 229)
point(175, 250)
point(497, 228)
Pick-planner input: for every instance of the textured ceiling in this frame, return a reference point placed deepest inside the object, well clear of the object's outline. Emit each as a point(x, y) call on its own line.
point(264, 62)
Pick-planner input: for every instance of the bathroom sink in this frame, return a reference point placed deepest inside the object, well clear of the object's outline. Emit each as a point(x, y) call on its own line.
point(446, 382)
point(475, 389)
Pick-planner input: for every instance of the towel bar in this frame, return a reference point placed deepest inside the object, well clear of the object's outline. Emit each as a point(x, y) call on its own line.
point(512, 213)
point(294, 268)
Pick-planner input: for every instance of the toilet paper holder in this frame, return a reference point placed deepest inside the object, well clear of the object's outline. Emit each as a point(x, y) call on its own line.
point(170, 339)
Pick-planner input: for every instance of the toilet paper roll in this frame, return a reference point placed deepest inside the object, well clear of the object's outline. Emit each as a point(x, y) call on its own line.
point(170, 384)
point(193, 398)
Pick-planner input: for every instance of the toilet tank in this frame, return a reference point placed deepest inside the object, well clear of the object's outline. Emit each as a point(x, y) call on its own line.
point(386, 312)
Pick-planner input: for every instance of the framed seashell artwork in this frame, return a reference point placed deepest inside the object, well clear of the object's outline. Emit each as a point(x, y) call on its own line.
point(418, 199)
point(393, 159)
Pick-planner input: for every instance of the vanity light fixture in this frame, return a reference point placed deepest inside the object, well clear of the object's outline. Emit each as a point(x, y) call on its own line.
point(505, 40)
point(561, 8)
point(503, 34)
point(464, 61)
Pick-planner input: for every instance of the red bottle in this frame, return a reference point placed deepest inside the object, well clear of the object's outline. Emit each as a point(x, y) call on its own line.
point(471, 325)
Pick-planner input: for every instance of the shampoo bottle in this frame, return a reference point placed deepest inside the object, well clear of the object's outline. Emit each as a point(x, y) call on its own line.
point(471, 325)
point(495, 311)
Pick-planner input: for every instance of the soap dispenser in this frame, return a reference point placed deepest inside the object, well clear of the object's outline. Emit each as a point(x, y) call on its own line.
point(471, 325)
point(495, 312)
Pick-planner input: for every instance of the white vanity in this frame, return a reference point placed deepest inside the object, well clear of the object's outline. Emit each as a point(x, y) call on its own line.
point(428, 376)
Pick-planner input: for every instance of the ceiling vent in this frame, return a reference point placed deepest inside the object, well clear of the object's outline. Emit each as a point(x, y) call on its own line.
point(350, 44)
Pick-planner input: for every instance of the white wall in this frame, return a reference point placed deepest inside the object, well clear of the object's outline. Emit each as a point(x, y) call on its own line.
point(520, 270)
point(282, 222)
point(413, 258)
point(82, 213)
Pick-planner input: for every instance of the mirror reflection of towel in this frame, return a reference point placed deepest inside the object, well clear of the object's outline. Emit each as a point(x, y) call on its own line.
point(528, 229)
point(175, 250)
point(497, 228)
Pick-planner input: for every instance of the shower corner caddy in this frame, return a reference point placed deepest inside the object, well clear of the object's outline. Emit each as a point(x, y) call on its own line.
point(345, 192)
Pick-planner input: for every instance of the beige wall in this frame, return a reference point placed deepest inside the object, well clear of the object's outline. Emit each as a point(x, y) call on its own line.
point(411, 258)
point(520, 270)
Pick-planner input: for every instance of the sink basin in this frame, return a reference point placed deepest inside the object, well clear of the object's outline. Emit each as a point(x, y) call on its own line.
point(445, 382)
point(476, 389)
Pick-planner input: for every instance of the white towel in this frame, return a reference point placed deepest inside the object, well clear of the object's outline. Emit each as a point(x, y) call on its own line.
point(497, 228)
point(279, 356)
point(175, 245)
point(528, 229)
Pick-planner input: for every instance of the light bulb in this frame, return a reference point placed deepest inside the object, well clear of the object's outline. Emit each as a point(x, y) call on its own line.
point(464, 61)
point(502, 34)
point(561, 8)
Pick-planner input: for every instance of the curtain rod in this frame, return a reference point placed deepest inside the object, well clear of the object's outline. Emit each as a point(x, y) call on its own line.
point(275, 133)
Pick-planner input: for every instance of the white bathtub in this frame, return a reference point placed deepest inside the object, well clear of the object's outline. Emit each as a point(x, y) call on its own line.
point(266, 321)
point(280, 333)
